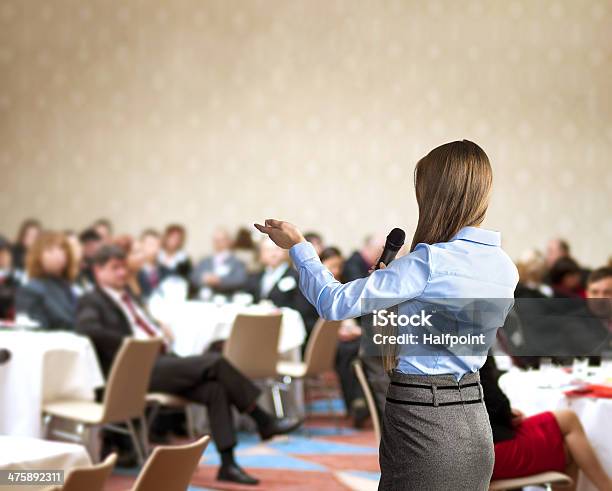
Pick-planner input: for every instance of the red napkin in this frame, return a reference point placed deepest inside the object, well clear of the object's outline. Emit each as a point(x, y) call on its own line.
point(592, 390)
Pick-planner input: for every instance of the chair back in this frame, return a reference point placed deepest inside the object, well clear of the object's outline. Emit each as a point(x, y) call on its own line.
point(170, 468)
point(90, 478)
point(128, 382)
point(320, 353)
point(367, 392)
point(252, 346)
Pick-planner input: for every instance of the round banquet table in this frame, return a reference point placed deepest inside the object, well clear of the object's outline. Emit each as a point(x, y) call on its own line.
point(29, 454)
point(44, 366)
point(197, 324)
point(536, 391)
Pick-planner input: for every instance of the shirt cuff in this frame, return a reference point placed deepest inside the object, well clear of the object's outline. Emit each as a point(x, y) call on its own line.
point(301, 252)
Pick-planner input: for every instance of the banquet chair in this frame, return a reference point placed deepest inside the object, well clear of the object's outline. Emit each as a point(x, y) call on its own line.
point(124, 397)
point(544, 480)
point(369, 396)
point(90, 478)
point(252, 348)
point(170, 468)
point(319, 358)
point(158, 400)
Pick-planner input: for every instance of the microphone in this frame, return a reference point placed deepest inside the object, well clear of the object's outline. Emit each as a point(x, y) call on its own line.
point(395, 241)
point(5, 355)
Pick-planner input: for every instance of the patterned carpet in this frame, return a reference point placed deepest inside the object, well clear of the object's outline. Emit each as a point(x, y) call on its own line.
point(320, 456)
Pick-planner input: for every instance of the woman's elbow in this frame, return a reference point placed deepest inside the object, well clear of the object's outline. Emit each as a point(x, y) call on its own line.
point(329, 315)
point(333, 313)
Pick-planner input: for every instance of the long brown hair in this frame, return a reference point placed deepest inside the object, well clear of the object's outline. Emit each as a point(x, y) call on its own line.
point(45, 240)
point(23, 228)
point(174, 228)
point(453, 185)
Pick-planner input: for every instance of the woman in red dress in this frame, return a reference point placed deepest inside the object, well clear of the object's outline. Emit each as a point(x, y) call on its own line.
point(549, 441)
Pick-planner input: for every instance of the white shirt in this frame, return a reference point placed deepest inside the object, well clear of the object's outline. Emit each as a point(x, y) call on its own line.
point(139, 332)
point(472, 265)
point(219, 266)
point(271, 277)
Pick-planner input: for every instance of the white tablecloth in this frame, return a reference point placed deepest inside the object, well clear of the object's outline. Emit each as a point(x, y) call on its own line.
point(24, 453)
point(535, 391)
point(197, 324)
point(44, 366)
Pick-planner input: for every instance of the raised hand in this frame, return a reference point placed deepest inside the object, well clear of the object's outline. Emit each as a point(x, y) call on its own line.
point(283, 234)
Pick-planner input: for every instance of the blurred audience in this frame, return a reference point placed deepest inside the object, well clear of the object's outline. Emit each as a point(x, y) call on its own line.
point(8, 281)
point(316, 240)
point(358, 266)
point(149, 275)
point(349, 341)
point(246, 250)
point(90, 241)
point(556, 249)
point(532, 270)
point(361, 261)
point(48, 297)
point(80, 284)
point(566, 278)
point(173, 260)
point(599, 295)
point(332, 259)
point(110, 313)
point(28, 232)
point(104, 228)
point(222, 272)
point(43, 274)
point(600, 283)
point(135, 260)
point(559, 249)
point(278, 283)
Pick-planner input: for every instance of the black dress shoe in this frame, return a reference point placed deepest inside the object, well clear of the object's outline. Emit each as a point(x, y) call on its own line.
point(279, 426)
point(235, 473)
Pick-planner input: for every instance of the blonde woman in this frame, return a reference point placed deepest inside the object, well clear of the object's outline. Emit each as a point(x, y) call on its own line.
point(436, 432)
point(48, 297)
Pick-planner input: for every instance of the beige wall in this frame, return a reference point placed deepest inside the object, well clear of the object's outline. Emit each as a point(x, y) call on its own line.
point(211, 112)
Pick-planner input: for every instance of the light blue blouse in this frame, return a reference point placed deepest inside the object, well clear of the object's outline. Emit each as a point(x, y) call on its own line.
point(472, 265)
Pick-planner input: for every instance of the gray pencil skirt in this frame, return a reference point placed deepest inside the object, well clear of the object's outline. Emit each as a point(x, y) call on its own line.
point(436, 435)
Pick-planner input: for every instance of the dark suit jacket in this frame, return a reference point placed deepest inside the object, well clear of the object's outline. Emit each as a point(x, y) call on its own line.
point(285, 297)
point(99, 318)
point(49, 301)
point(234, 279)
point(148, 281)
point(355, 268)
point(182, 269)
point(8, 288)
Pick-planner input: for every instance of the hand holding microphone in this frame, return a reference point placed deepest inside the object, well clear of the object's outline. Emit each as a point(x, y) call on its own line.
point(286, 235)
point(395, 241)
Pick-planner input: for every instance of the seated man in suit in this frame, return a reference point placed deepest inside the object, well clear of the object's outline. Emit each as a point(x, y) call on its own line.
point(361, 261)
point(109, 313)
point(222, 272)
point(278, 283)
point(599, 299)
